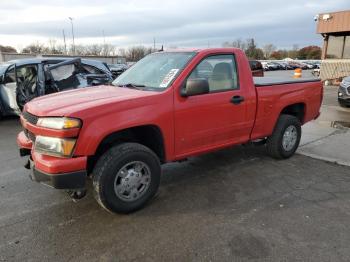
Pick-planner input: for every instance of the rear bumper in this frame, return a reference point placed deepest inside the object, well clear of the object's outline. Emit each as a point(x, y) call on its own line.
point(72, 180)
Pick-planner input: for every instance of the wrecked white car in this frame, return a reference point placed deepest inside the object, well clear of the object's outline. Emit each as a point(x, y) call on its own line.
point(22, 80)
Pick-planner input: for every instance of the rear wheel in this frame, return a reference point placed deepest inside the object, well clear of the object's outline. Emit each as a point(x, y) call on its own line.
point(126, 177)
point(285, 138)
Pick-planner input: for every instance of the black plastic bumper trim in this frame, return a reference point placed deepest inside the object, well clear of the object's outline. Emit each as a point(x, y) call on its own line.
point(24, 152)
point(73, 180)
point(344, 101)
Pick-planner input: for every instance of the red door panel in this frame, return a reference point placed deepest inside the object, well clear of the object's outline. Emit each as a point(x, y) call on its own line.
point(210, 120)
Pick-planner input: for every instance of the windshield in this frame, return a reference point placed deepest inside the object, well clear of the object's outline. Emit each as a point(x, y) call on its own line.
point(3, 67)
point(155, 71)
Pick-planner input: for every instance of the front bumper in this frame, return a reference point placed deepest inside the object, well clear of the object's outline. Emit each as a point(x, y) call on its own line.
point(345, 102)
point(59, 173)
point(343, 96)
point(69, 180)
point(24, 142)
point(72, 180)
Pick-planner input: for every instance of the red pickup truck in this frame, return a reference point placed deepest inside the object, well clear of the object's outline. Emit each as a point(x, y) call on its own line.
point(168, 107)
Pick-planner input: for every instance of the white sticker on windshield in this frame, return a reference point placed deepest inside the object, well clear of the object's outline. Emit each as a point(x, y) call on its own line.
point(169, 77)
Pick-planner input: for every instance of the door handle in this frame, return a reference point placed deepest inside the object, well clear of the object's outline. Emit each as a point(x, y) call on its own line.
point(237, 100)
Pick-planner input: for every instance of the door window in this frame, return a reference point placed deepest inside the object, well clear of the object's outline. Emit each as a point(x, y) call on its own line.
point(10, 76)
point(91, 69)
point(220, 71)
point(27, 78)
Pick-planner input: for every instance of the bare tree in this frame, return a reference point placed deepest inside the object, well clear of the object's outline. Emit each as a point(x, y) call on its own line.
point(53, 48)
point(80, 50)
point(135, 53)
point(108, 49)
point(94, 49)
point(252, 51)
point(294, 52)
point(7, 49)
point(238, 43)
point(268, 49)
point(122, 52)
point(52, 45)
point(35, 48)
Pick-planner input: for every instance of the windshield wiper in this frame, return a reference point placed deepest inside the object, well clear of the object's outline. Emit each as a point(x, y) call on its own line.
point(131, 85)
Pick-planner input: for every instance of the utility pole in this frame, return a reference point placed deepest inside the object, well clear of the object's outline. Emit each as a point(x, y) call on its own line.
point(71, 21)
point(64, 40)
point(154, 44)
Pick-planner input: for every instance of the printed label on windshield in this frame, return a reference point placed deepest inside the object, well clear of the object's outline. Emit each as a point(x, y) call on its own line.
point(169, 77)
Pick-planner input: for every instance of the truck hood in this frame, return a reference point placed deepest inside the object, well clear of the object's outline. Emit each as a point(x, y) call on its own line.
point(69, 102)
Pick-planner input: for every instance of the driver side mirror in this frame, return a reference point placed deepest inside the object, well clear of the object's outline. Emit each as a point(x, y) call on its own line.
point(197, 86)
point(2, 79)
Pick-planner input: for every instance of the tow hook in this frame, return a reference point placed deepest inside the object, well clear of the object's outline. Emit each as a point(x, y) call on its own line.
point(76, 195)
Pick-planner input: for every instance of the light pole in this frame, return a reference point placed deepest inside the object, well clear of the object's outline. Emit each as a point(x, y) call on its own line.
point(71, 21)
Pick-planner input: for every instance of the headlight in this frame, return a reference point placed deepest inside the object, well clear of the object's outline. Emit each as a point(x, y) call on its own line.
point(59, 122)
point(61, 147)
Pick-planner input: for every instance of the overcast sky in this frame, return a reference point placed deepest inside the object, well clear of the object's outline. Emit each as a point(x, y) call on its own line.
point(181, 23)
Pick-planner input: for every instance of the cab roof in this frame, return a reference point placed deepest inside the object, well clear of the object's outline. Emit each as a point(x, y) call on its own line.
point(39, 60)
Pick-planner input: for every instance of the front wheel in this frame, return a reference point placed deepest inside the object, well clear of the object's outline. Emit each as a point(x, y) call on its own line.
point(285, 138)
point(126, 177)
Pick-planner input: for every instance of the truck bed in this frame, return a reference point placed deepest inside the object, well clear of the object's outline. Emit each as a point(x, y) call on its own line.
point(275, 94)
point(270, 81)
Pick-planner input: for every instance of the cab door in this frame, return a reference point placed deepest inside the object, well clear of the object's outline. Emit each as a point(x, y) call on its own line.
point(8, 90)
point(216, 118)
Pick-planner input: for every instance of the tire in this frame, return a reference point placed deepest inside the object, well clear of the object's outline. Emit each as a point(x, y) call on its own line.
point(112, 170)
point(275, 143)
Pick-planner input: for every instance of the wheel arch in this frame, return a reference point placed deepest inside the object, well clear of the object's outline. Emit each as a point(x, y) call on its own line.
point(297, 109)
point(150, 136)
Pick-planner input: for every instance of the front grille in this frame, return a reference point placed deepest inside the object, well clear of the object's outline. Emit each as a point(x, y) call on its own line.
point(30, 118)
point(29, 134)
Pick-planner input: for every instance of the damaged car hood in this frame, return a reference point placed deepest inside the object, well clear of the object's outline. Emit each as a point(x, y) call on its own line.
point(72, 102)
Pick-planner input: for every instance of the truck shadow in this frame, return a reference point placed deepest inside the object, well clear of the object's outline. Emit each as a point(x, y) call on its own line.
point(210, 183)
point(215, 182)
